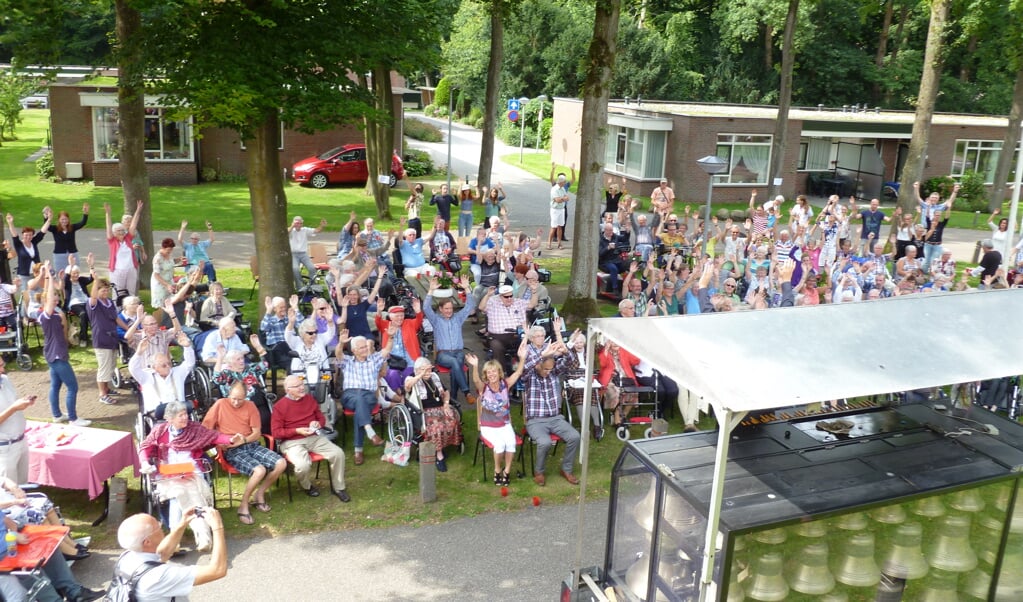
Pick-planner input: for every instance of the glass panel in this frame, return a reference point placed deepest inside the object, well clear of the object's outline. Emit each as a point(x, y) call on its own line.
point(634, 158)
point(620, 150)
point(634, 522)
point(105, 133)
point(654, 166)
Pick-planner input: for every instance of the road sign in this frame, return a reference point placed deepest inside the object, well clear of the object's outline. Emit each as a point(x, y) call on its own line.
point(514, 105)
point(513, 115)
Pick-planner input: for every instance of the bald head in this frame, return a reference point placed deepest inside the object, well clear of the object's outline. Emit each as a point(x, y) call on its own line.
point(140, 533)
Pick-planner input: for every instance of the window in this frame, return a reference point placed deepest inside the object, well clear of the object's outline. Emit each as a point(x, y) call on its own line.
point(815, 154)
point(748, 157)
point(163, 140)
point(280, 138)
point(635, 152)
point(980, 156)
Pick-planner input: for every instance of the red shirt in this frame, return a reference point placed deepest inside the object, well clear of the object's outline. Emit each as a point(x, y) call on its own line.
point(290, 414)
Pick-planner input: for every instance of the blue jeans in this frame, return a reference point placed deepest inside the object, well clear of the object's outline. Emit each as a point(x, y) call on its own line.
point(464, 224)
point(62, 374)
point(611, 268)
point(455, 361)
point(931, 252)
point(207, 269)
point(361, 401)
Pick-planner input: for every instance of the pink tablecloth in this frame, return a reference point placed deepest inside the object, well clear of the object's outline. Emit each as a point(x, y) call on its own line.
point(82, 459)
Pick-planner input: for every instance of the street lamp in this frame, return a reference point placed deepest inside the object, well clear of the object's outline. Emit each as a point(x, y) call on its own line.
point(539, 120)
point(522, 125)
point(451, 109)
point(711, 165)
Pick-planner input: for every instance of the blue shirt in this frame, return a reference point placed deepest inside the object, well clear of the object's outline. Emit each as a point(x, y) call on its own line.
point(196, 252)
point(447, 332)
point(412, 253)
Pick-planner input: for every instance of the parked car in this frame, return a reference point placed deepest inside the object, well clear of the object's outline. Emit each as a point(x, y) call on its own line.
point(35, 101)
point(342, 165)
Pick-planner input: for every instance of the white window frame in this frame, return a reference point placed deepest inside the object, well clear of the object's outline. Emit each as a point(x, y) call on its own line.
point(106, 127)
point(973, 148)
point(619, 140)
point(726, 144)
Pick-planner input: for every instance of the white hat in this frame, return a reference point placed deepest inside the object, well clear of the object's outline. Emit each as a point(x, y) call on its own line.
point(504, 290)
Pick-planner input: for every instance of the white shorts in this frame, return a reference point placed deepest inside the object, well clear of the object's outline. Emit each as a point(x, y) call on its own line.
point(107, 360)
point(502, 438)
point(558, 216)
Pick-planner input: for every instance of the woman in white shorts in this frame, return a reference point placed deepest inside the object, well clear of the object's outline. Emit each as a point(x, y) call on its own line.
point(494, 414)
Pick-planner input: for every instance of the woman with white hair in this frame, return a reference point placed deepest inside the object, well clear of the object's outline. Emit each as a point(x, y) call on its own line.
point(441, 425)
point(181, 440)
point(124, 264)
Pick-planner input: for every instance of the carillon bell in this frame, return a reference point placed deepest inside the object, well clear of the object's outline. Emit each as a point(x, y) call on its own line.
point(765, 582)
point(856, 566)
point(1010, 579)
point(940, 586)
point(968, 500)
point(856, 521)
point(905, 558)
point(808, 572)
point(813, 529)
point(987, 537)
point(644, 510)
point(771, 537)
point(735, 591)
point(929, 507)
point(977, 584)
point(669, 568)
point(890, 515)
point(834, 596)
point(950, 549)
point(1002, 503)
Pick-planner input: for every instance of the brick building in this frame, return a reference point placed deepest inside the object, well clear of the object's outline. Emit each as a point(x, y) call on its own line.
point(83, 123)
point(848, 151)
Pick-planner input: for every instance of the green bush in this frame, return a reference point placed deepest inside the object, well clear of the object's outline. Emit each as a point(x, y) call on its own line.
point(417, 163)
point(430, 110)
point(972, 193)
point(478, 124)
point(941, 184)
point(420, 130)
point(45, 168)
point(441, 112)
point(442, 95)
point(209, 174)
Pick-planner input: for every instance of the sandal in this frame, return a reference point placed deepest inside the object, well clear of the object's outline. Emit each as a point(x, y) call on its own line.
point(262, 506)
point(497, 479)
point(245, 518)
point(505, 479)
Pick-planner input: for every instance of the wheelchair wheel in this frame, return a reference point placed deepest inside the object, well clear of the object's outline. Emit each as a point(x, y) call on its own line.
point(648, 433)
point(622, 433)
point(24, 362)
point(116, 380)
point(399, 423)
point(202, 389)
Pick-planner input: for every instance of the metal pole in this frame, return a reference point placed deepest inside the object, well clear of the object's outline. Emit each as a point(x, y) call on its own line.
point(539, 126)
point(1013, 210)
point(584, 452)
point(522, 131)
point(706, 217)
point(451, 109)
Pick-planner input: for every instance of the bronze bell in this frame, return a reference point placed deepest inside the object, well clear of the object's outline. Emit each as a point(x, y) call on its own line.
point(950, 548)
point(929, 507)
point(987, 536)
point(905, 559)
point(855, 521)
point(1002, 503)
point(675, 510)
point(834, 596)
point(735, 591)
point(643, 512)
point(811, 529)
point(939, 586)
point(894, 514)
point(669, 567)
point(968, 500)
point(1010, 579)
point(977, 584)
point(765, 582)
point(808, 571)
point(856, 566)
point(771, 537)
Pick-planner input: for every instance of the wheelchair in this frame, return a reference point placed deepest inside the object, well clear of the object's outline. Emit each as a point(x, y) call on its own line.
point(406, 420)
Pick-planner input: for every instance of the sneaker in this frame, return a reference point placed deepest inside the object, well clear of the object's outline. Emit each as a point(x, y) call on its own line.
point(107, 400)
point(81, 422)
point(60, 419)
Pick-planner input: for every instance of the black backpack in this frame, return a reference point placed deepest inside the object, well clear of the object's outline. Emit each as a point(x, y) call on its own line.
point(122, 588)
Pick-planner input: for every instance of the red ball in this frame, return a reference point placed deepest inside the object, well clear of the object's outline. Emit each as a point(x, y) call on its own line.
point(504, 492)
point(536, 501)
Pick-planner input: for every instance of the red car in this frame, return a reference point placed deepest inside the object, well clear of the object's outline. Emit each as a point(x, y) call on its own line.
point(342, 165)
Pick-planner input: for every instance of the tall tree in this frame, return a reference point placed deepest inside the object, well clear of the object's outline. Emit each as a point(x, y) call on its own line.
point(380, 138)
point(493, 95)
point(929, 81)
point(131, 117)
point(600, 62)
point(1011, 140)
point(781, 124)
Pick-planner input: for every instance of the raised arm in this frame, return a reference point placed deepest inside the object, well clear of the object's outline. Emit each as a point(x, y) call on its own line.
point(106, 211)
point(181, 232)
point(133, 227)
point(10, 226)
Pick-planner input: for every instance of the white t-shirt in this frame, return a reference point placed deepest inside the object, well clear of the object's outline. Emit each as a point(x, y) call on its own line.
point(161, 583)
point(299, 239)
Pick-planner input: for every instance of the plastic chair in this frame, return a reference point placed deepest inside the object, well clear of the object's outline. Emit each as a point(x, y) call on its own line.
point(376, 415)
point(254, 268)
point(315, 458)
point(223, 466)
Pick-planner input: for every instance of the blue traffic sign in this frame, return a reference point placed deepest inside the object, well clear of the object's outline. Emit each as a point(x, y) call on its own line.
point(513, 105)
point(513, 115)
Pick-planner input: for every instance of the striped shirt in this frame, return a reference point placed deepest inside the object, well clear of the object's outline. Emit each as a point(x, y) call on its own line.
point(362, 375)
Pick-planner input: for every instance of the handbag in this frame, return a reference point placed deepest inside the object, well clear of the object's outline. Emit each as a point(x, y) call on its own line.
point(396, 363)
point(397, 452)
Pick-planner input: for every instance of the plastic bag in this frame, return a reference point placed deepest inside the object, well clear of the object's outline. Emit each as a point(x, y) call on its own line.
point(397, 452)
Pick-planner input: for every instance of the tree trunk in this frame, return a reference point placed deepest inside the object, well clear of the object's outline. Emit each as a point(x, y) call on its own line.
point(929, 82)
point(581, 303)
point(882, 45)
point(1006, 157)
point(493, 91)
point(768, 47)
point(269, 209)
point(898, 41)
point(781, 124)
point(966, 69)
point(131, 122)
point(379, 140)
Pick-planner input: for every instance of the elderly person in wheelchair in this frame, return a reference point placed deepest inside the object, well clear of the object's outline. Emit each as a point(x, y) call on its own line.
point(310, 359)
point(36, 509)
point(175, 449)
point(440, 421)
point(161, 383)
point(231, 368)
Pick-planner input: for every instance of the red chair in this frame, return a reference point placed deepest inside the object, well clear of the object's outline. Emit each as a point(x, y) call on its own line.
point(315, 458)
point(223, 466)
point(532, 447)
point(375, 414)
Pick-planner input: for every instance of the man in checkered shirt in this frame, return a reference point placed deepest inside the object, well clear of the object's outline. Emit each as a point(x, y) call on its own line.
point(542, 408)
